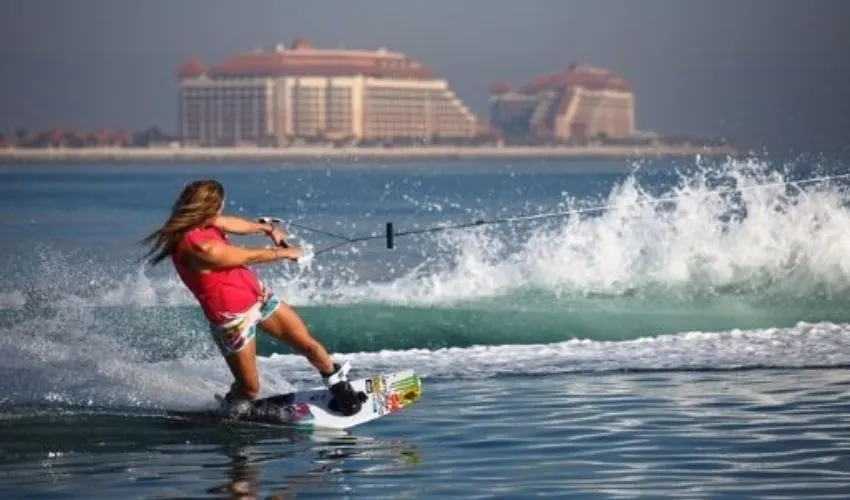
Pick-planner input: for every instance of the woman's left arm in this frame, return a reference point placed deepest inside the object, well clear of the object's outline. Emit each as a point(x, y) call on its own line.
point(238, 225)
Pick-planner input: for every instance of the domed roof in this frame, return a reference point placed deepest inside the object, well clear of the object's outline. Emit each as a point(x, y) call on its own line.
point(303, 59)
point(191, 68)
point(579, 75)
point(500, 87)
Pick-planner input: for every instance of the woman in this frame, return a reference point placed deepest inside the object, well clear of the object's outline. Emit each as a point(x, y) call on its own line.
point(232, 297)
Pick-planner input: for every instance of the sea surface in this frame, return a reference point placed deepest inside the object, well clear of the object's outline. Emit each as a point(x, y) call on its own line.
point(611, 329)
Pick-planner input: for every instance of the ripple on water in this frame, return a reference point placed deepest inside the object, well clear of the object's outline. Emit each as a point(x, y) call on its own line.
point(757, 434)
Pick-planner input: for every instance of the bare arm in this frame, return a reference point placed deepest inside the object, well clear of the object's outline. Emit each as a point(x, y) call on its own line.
point(216, 254)
point(238, 225)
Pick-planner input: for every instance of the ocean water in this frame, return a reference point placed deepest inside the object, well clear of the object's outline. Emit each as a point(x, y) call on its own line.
point(653, 329)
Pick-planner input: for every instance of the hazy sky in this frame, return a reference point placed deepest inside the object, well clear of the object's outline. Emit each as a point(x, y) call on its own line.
point(775, 72)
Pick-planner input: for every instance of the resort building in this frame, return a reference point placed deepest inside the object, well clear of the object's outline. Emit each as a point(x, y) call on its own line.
point(580, 104)
point(274, 97)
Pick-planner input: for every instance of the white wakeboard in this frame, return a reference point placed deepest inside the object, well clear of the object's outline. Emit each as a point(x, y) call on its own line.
point(386, 393)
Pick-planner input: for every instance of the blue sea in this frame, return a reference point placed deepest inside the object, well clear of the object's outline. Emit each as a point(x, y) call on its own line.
point(597, 330)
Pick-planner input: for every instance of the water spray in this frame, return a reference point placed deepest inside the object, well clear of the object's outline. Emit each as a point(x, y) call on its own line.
point(390, 234)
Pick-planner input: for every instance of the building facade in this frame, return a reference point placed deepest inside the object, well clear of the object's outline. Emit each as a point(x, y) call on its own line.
point(580, 104)
point(305, 93)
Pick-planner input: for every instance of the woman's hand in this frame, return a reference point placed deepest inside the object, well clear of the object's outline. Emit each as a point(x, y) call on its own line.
point(278, 236)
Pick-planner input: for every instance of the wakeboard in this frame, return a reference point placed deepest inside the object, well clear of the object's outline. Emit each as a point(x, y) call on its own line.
point(386, 393)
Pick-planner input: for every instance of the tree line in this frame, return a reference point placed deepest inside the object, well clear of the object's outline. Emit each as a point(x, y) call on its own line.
point(77, 138)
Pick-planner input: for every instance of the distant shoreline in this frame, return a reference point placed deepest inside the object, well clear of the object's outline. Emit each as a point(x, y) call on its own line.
point(353, 154)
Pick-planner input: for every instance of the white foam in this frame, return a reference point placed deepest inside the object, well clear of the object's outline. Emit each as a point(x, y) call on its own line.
point(791, 245)
point(806, 344)
point(74, 359)
point(12, 300)
point(688, 241)
point(77, 357)
point(84, 368)
point(692, 239)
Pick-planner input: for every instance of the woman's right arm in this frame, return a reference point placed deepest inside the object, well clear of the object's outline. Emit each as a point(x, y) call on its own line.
point(216, 254)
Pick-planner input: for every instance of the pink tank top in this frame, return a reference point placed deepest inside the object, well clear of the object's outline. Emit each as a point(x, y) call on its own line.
point(222, 293)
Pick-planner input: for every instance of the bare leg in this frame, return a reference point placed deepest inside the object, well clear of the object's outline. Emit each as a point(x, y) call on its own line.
point(243, 366)
point(285, 325)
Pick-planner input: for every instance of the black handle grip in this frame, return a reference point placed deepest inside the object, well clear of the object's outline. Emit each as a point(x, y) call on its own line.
point(390, 235)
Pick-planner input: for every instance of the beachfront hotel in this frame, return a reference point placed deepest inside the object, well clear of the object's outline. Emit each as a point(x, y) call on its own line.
point(579, 104)
point(275, 97)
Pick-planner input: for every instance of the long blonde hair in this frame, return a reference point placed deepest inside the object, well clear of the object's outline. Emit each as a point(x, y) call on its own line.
point(198, 203)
